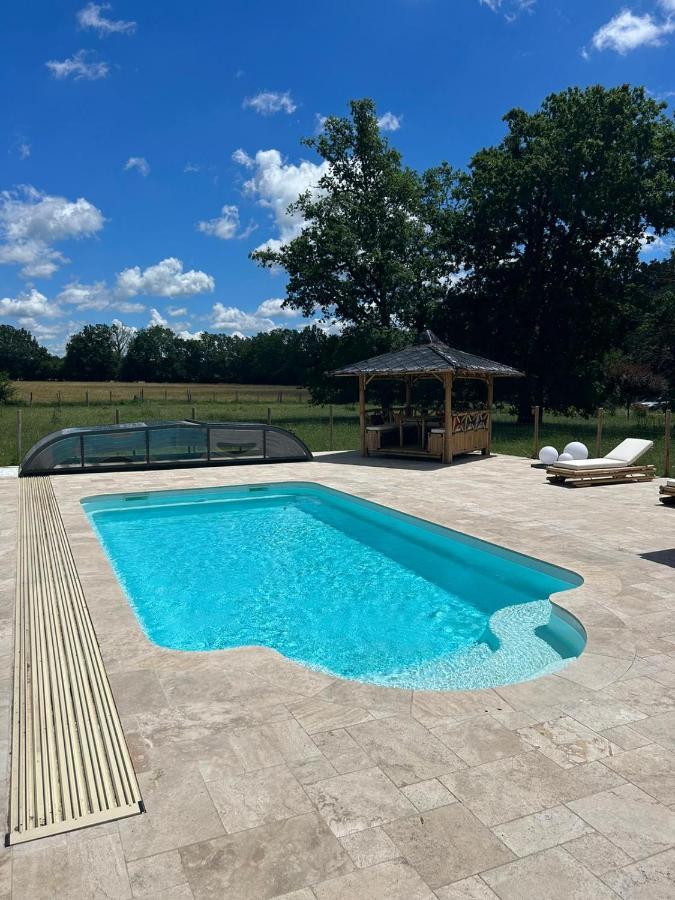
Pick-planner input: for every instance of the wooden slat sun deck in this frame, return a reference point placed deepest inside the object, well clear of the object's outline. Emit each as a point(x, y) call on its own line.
point(70, 765)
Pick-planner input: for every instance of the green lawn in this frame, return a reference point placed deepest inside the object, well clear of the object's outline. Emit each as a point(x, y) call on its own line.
point(311, 424)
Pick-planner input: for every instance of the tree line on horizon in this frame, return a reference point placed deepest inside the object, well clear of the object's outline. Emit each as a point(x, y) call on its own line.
point(532, 256)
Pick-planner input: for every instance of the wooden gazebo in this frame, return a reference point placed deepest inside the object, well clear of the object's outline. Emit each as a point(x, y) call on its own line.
point(437, 437)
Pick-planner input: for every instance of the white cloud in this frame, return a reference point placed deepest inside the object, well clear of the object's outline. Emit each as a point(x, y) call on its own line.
point(319, 122)
point(225, 226)
point(78, 66)
point(189, 335)
point(95, 296)
point(267, 103)
point(31, 221)
point(241, 156)
point(667, 5)
point(510, 8)
point(85, 296)
point(90, 17)
point(274, 308)
point(627, 31)
point(389, 122)
point(40, 330)
point(165, 279)
point(236, 321)
point(28, 304)
point(191, 167)
point(24, 149)
point(177, 311)
point(276, 184)
point(139, 163)
point(157, 319)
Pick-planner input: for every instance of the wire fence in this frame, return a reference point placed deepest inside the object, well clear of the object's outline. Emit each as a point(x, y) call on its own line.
point(332, 427)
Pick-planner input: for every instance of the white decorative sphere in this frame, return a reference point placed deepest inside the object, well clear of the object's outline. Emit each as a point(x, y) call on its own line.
point(565, 457)
point(548, 455)
point(577, 450)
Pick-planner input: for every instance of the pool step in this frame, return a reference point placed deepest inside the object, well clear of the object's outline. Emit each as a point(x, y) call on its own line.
point(70, 765)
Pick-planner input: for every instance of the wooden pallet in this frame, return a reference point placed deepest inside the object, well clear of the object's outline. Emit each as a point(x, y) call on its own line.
point(666, 493)
point(589, 477)
point(70, 764)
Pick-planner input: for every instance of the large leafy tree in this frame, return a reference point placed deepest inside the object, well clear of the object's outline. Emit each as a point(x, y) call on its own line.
point(155, 354)
point(91, 354)
point(554, 218)
point(21, 356)
point(652, 342)
point(367, 254)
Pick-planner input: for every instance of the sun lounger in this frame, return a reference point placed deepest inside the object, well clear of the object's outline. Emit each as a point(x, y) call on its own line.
point(667, 491)
point(617, 466)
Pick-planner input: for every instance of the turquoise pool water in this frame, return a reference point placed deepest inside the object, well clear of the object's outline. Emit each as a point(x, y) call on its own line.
point(337, 583)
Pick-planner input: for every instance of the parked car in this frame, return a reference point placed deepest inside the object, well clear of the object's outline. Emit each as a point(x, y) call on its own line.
point(655, 405)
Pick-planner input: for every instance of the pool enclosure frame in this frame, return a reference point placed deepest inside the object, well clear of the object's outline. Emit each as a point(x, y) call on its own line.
point(207, 444)
point(430, 358)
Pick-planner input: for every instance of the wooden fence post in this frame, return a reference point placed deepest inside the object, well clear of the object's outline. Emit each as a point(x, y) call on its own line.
point(330, 427)
point(598, 433)
point(117, 415)
point(194, 414)
point(18, 435)
point(535, 444)
point(86, 397)
point(666, 446)
point(269, 415)
point(110, 398)
point(30, 402)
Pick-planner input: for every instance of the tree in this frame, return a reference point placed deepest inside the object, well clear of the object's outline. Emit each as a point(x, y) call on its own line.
point(91, 354)
point(367, 254)
point(6, 388)
point(653, 338)
point(553, 221)
point(21, 356)
point(155, 354)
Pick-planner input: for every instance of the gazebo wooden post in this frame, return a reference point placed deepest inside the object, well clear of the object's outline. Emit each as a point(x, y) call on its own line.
point(408, 394)
point(362, 413)
point(447, 431)
point(490, 393)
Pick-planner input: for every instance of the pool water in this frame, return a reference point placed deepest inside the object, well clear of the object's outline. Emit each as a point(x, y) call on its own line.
point(339, 584)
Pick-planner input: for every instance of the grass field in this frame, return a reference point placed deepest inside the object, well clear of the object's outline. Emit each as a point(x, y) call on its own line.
point(108, 392)
point(246, 403)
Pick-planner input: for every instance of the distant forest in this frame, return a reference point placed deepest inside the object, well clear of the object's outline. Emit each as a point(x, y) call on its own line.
point(536, 255)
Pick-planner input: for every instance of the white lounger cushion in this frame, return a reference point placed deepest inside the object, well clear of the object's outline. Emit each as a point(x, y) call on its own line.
point(438, 430)
point(381, 427)
point(630, 450)
point(602, 463)
point(626, 454)
point(670, 482)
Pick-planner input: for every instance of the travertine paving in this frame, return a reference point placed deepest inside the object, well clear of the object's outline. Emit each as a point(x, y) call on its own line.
point(263, 779)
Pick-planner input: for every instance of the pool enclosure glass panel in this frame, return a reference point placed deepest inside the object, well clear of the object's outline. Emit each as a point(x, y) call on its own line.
point(63, 454)
point(236, 443)
point(161, 445)
point(114, 449)
point(178, 444)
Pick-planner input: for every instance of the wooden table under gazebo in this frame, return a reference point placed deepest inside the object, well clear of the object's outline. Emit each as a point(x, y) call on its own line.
point(454, 432)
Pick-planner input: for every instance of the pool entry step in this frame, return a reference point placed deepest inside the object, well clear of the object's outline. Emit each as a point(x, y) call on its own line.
point(70, 765)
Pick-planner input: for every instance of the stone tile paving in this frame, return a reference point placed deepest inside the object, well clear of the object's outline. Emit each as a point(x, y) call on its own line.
point(263, 779)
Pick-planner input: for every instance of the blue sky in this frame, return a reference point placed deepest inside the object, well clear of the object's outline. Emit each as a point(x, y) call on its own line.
point(147, 148)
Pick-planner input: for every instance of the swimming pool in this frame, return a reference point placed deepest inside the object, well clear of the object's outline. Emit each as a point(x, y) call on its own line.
point(337, 583)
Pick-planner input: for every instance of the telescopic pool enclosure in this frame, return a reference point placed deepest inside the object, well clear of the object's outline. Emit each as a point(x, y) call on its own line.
point(161, 445)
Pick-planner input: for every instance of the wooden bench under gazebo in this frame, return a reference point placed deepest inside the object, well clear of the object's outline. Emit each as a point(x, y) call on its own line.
point(427, 436)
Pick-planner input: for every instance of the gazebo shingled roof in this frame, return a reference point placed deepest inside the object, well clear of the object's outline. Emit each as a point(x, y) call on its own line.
point(428, 355)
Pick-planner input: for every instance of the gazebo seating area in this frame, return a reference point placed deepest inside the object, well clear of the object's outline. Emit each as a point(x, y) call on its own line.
point(417, 431)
